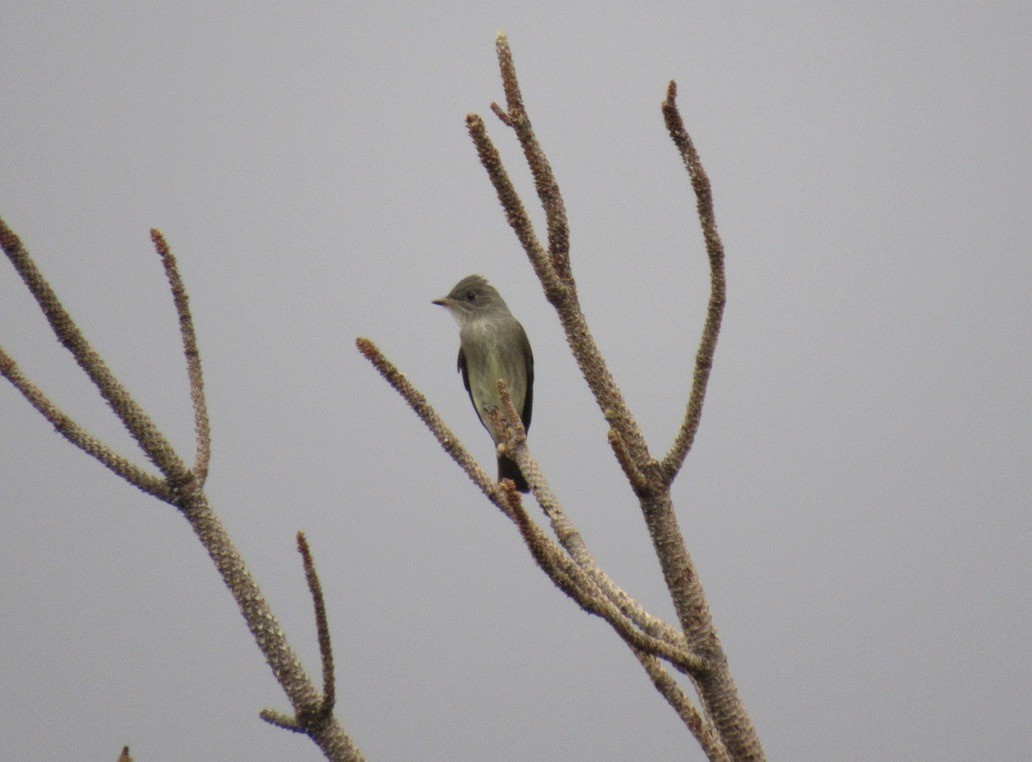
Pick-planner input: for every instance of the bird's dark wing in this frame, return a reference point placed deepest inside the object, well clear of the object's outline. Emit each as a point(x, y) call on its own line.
point(465, 382)
point(528, 403)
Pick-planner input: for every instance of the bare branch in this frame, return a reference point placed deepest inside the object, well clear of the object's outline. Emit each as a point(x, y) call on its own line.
point(508, 422)
point(649, 478)
point(554, 273)
point(315, 714)
point(515, 212)
point(282, 720)
point(552, 559)
point(186, 493)
point(328, 734)
point(502, 116)
point(202, 428)
point(715, 250)
point(635, 477)
point(322, 627)
point(429, 416)
point(81, 438)
point(573, 581)
point(544, 179)
point(153, 443)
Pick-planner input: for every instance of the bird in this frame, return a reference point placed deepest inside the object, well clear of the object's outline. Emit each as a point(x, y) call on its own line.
point(492, 346)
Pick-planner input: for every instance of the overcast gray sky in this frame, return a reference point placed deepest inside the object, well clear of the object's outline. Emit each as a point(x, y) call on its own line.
point(857, 501)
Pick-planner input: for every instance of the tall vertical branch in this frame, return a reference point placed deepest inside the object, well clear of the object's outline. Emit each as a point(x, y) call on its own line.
point(674, 459)
point(202, 429)
point(544, 179)
point(649, 479)
point(557, 280)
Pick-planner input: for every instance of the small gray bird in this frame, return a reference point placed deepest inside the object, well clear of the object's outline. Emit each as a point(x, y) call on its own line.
point(492, 345)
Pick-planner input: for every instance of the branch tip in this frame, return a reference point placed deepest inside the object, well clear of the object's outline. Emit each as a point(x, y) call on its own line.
point(322, 627)
point(281, 720)
point(8, 240)
point(503, 117)
point(368, 349)
point(159, 242)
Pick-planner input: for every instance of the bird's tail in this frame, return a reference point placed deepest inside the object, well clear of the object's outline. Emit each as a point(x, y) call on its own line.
point(507, 469)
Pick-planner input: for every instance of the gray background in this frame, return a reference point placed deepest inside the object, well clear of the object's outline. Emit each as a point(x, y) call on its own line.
point(857, 501)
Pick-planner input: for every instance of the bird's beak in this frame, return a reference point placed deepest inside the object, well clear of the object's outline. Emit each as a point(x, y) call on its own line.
point(442, 302)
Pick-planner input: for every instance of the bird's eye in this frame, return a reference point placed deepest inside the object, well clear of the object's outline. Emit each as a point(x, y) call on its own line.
point(471, 296)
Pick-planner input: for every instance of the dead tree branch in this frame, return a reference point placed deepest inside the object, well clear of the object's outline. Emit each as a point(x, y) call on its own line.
point(722, 727)
point(718, 287)
point(183, 487)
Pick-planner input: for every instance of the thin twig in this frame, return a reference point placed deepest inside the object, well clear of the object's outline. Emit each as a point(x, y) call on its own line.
point(544, 178)
point(515, 212)
point(429, 416)
point(153, 443)
point(674, 459)
point(321, 625)
point(81, 438)
point(202, 428)
point(282, 720)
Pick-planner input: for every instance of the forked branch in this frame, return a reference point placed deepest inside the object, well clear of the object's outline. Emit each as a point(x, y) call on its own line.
point(552, 268)
point(153, 443)
point(569, 565)
point(722, 728)
point(183, 488)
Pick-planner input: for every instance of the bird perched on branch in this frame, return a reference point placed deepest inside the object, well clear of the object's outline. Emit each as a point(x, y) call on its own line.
point(492, 346)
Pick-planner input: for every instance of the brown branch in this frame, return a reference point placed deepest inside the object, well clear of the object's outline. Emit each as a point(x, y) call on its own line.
point(650, 479)
point(286, 667)
point(544, 179)
point(79, 437)
point(282, 720)
point(179, 489)
point(554, 273)
point(153, 443)
point(573, 581)
point(674, 459)
point(429, 416)
point(314, 713)
point(515, 212)
point(508, 422)
point(560, 567)
point(322, 628)
point(635, 477)
point(202, 428)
